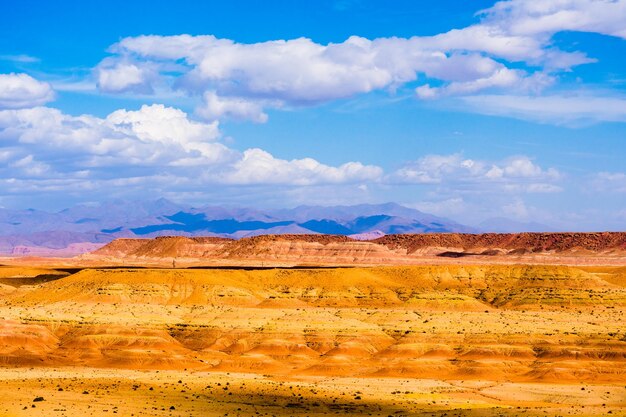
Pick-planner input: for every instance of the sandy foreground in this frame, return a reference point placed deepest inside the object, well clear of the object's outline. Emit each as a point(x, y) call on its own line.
point(97, 392)
point(453, 340)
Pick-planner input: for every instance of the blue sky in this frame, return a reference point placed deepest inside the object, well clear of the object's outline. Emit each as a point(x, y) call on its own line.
point(470, 110)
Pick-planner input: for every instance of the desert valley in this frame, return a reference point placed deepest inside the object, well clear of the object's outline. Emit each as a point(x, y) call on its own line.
point(404, 325)
point(313, 208)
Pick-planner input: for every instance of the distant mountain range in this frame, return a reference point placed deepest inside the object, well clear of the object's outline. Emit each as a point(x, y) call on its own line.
point(79, 228)
point(85, 227)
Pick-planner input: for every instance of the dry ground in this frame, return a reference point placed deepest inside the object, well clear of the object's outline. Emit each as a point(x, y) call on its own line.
point(96, 392)
point(470, 340)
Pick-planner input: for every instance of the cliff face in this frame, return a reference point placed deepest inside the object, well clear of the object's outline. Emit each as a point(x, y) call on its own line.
point(390, 249)
point(529, 242)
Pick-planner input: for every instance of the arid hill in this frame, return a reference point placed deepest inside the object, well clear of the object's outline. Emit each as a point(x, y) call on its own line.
point(391, 249)
point(442, 324)
point(597, 242)
point(499, 322)
point(467, 340)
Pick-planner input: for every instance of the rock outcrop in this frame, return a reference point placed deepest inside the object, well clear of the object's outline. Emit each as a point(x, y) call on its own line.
point(389, 249)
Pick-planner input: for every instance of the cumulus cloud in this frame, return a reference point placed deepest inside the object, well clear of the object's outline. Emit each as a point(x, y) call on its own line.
point(22, 90)
point(519, 173)
point(433, 169)
point(238, 80)
point(523, 167)
point(170, 127)
point(46, 148)
point(297, 71)
point(123, 77)
point(259, 167)
point(151, 136)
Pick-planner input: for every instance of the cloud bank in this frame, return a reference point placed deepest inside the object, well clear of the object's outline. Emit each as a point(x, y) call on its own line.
point(510, 51)
point(515, 174)
point(154, 141)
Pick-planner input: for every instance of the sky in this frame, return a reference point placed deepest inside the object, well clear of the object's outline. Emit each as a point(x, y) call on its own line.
point(467, 110)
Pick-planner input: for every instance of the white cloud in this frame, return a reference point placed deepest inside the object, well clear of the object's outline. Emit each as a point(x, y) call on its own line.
point(433, 169)
point(510, 50)
point(571, 109)
point(122, 77)
point(22, 90)
point(502, 78)
point(518, 174)
point(490, 39)
point(170, 127)
point(141, 147)
point(427, 92)
point(297, 71)
point(523, 167)
point(215, 108)
point(259, 167)
point(533, 18)
point(151, 136)
point(506, 30)
point(240, 77)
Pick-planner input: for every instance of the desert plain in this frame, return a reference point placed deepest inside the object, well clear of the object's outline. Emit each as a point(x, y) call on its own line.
point(318, 326)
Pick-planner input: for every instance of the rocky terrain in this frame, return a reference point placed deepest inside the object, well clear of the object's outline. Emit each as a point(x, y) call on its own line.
point(447, 324)
point(568, 248)
point(471, 340)
point(512, 243)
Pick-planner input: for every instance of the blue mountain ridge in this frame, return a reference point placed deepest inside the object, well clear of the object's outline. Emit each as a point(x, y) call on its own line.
point(103, 222)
